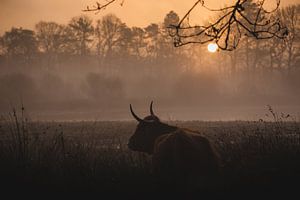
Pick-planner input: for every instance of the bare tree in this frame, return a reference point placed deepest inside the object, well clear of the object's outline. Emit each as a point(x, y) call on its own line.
point(109, 35)
point(112, 37)
point(19, 46)
point(290, 16)
point(138, 43)
point(228, 29)
point(82, 31)
point(284, 54)
point(51, 39)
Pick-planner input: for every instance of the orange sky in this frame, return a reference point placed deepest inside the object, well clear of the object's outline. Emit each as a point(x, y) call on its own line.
point(26, 13)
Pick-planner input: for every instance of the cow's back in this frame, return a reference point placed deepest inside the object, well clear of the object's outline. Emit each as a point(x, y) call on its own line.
point(185, 157)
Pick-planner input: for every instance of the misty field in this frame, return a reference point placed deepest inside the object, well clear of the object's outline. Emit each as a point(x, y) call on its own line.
point(92, 157)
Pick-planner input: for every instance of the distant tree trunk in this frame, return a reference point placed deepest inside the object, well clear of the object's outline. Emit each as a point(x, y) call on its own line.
point(248, 68)
point(233, 70)
point(289, 59)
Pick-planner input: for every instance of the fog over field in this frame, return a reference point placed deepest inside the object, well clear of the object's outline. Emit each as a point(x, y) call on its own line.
point(92, 69)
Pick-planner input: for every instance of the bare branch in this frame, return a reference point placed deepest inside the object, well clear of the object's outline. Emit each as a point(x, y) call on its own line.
point(235, 21)
point(188, 13)
point(99, 6)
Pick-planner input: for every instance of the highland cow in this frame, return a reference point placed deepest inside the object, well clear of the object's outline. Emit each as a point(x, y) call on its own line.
point(180, 156)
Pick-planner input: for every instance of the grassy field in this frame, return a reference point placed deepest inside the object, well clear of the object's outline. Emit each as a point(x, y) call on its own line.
point(88, 158)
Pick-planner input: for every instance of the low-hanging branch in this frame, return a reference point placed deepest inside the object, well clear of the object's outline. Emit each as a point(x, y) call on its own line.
point(226, 31)
point(233, 23)
point(98, 7)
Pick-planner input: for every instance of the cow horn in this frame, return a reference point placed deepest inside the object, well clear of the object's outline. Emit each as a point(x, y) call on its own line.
point(134, 115)
point(151, 110)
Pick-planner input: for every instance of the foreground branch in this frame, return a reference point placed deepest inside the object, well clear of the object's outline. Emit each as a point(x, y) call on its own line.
point(99, 6)
point(241, 19)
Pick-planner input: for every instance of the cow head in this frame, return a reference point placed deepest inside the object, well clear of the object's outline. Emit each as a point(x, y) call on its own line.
point(148, 129)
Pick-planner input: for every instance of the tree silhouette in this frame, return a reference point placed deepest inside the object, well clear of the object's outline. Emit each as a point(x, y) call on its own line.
point(20, 44)
point(49, 36)
point(110, 33)
point(82, 31)
point(226, 31)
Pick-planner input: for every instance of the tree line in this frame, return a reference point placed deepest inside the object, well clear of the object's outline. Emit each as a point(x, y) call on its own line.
point(111, 42)
point(116, 54)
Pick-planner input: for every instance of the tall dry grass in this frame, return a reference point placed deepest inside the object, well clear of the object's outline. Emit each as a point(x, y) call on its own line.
point(93, 156)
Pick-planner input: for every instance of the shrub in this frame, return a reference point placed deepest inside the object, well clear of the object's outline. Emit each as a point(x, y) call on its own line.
point(195, 87)
point(101, 87)
point(18, 86)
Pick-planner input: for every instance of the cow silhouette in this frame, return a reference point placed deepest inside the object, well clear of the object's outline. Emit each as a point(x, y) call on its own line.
point(180, 157)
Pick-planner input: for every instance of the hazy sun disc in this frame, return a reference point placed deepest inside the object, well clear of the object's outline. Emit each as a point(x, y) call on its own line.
point(212, 47)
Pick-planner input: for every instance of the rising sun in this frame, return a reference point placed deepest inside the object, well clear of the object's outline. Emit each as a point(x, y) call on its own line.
point(212, 47)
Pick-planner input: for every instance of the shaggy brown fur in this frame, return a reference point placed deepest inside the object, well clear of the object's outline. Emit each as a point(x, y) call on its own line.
point(180, 156)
